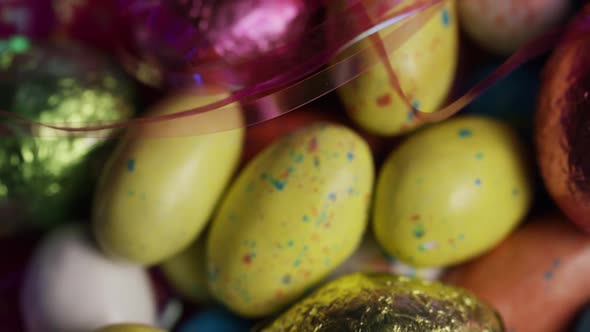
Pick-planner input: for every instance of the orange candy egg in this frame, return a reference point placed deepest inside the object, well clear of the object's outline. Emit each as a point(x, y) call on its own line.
point(537, 279)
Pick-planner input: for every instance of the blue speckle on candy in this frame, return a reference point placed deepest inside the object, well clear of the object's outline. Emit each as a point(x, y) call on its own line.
point(215, 320)
point(131, 165)
point(446, 17)
point(465, 133)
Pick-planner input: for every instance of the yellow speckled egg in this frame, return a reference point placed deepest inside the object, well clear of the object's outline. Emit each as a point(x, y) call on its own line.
point(425, 66)
point(187, 272)
point(451, 192)
point(296, 212)
point(129, 328)
point(158, 190)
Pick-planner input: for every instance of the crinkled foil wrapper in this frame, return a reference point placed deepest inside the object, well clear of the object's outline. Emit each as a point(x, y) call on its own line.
point(43, 176)
point(387, 303)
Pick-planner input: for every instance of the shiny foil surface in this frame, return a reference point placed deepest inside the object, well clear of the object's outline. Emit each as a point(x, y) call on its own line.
point(247, 28)
point(382, 302)
point(252, 40)
point(43, 173)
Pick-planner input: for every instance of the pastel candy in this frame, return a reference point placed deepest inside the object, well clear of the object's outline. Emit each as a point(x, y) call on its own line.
point(537, 278)
point(451, 192)
point(72, 287)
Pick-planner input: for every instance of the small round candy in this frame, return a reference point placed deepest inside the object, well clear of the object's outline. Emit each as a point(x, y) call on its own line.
point(451, 192)
point(129, 328)
point(502, 26)
point(214, 320)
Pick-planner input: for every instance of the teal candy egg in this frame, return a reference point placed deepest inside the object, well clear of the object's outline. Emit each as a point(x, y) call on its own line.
point(215, 320)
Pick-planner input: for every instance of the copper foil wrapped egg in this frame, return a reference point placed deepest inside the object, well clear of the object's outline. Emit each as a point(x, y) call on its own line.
point(381, 302)
point(561, 125)
point(176, 36)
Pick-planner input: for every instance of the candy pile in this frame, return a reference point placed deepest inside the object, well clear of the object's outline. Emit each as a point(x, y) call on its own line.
point(351, 213)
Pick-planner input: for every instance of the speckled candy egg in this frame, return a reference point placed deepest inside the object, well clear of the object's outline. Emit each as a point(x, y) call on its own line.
point(160, 186)
point(425, 66)
point(71, 286)
point(451, 192)
point(381, 302)
point(296, 212)
point(129, 328)
point(502, 26)
point(537, 278)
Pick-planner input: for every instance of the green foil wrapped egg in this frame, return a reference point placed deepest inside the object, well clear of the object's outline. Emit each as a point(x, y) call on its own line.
point(43, 172)
point(384, 302)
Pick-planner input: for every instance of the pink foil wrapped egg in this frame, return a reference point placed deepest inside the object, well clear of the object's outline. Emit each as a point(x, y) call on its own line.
point(238, 43)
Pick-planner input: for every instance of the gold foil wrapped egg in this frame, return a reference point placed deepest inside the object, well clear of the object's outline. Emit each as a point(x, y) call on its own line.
point(382, 302)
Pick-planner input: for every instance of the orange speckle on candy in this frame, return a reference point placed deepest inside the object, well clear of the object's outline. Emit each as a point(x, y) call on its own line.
point(279, 294)
point(384, 100)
